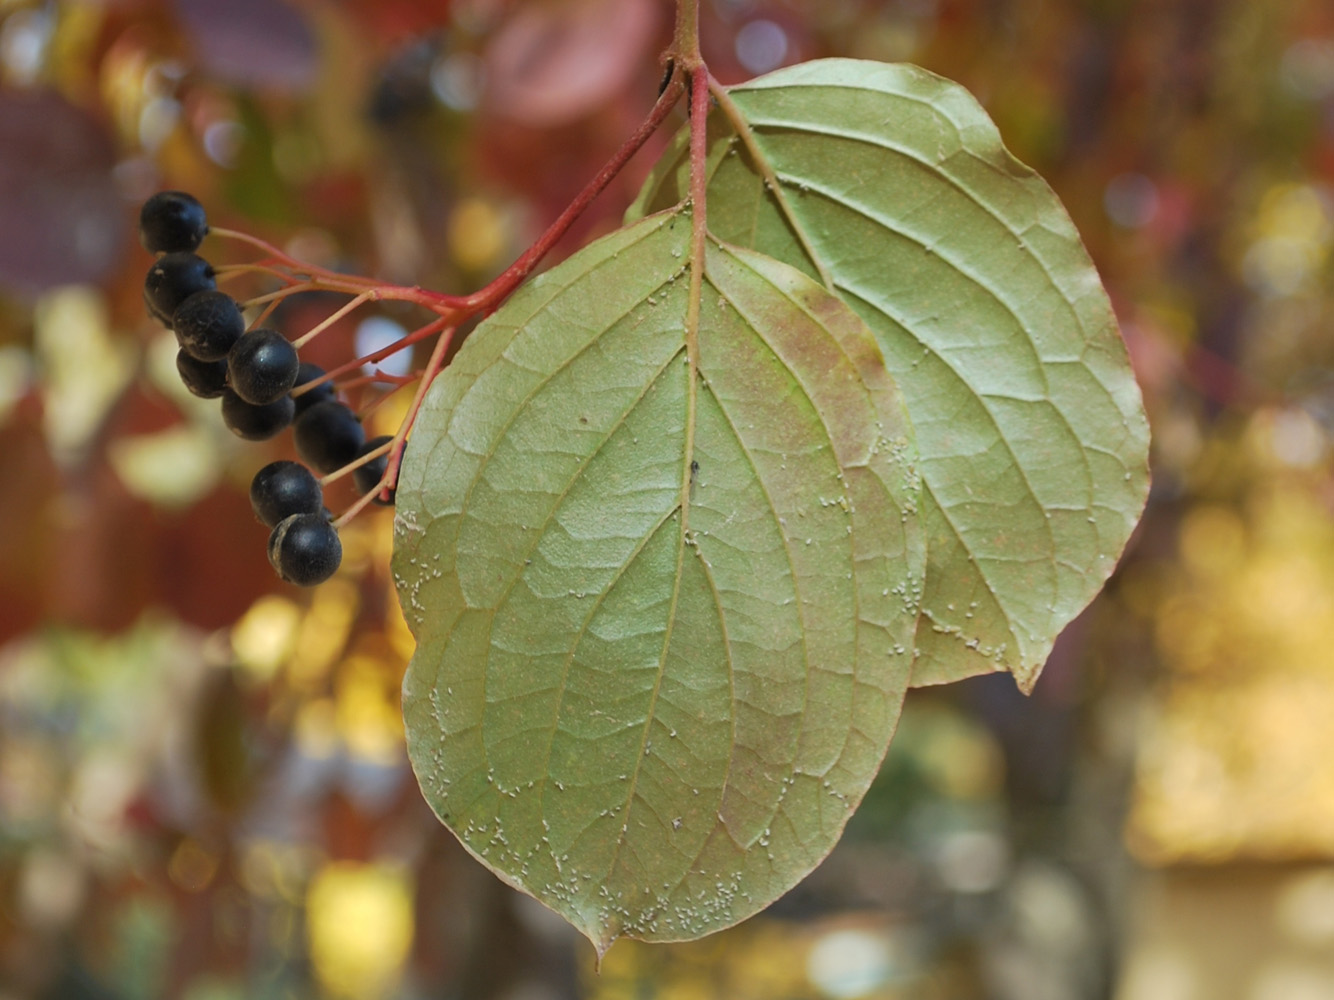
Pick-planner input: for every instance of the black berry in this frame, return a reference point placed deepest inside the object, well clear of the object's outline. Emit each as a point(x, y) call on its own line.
point(282, 489)
point(172, 279)
point(325, 390)
point(206, 379)
point(262, 366)
point(255, 423)
point(207, 324)
point(328, 436)
point(171, 221)
point(304, 549)
point(367, 477)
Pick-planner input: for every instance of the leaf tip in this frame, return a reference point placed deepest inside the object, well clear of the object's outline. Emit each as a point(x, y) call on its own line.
point(602, 942)
point(1027, 680)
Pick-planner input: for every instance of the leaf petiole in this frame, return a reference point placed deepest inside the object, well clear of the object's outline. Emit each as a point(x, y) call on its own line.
point(772, 184)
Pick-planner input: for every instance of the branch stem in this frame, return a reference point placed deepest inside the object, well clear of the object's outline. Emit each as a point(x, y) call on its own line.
point(514, 275)
point(452, 310)
point(685, 43)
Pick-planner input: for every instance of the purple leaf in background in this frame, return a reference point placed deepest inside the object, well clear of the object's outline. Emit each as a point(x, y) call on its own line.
point(551, 64)
point(62, 217)
point(252, 43)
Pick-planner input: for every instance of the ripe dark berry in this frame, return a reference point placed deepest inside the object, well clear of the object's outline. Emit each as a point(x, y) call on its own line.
point(206, 379)
point(367, 477)
point(207, 324)
point(171, 221)
point(325, 390)
point(262, 366)
point(282, 489)
point(328, 436)
point(305, 549)
point(255, 423)
point(172, 279)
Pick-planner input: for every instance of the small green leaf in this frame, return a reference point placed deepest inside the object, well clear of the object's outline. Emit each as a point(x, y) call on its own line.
point(663, 582)
point(891, 186)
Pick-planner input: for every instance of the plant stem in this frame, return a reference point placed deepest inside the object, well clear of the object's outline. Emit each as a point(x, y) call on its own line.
point(699, 232)
point(459, 308)
point(507, 282)
point(225, 272)
point(395, 447)
point(278, 259)
point(771, 182)
point(421, 333)
point(324, 279)
point(333, 318)
point(699, 149)
point(685, 44)
point(356, 464)
point(452, 310)
point(515, 274)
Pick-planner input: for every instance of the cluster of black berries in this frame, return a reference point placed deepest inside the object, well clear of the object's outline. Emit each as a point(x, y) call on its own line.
point(254, 372)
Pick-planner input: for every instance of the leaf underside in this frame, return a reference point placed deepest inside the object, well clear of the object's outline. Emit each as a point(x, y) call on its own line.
point(664, 582)
point(893, 187)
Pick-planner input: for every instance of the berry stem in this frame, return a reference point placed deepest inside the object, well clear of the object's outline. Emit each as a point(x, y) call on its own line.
point(399, 382)
point(255, 241)
point(421, 333)
point(266, 312)
point(282, 293)
point(390, 478)
point(228, 271)
point(687, 68)
point(333, 318)
point(277, 258)
point(377, 377)
point(323, 278)
point(355, 464)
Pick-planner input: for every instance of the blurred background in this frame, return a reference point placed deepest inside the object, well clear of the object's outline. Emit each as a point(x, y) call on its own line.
point(203, 788)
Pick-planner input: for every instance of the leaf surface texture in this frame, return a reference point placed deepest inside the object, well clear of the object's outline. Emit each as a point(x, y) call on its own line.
point(664, 580)
point(890, 185)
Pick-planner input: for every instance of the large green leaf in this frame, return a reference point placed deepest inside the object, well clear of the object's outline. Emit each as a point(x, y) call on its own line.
point(892, 187)
point(663, 575)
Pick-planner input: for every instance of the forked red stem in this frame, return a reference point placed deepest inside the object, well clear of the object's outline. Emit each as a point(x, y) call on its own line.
point(450, 310)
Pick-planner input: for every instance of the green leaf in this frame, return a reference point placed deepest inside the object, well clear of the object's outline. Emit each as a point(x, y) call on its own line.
point(663, 581)
point(891, 186)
